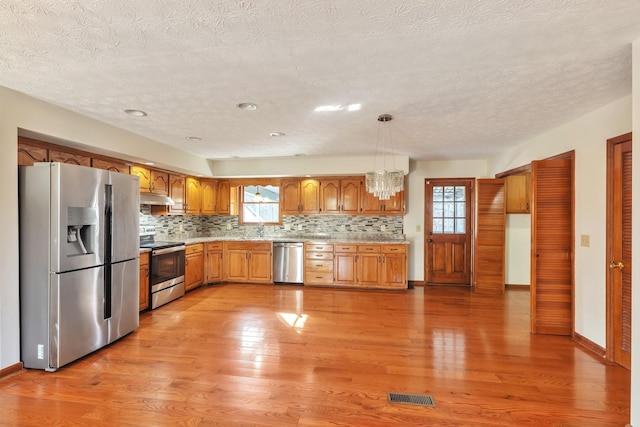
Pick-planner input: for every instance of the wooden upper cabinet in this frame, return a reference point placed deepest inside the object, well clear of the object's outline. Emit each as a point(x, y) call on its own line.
point(374, 206)
point(177, 190)
point(70, 158)
point(340, 196)
point(518, 193)
point(151, 181)
point(208, 196)
point(29, 154)
point(224, 197)
point(290, 196)
point(192, 196)
point(300, 196)
point(110, 165)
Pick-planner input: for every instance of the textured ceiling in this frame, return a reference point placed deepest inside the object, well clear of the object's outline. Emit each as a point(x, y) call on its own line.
point(463, 79)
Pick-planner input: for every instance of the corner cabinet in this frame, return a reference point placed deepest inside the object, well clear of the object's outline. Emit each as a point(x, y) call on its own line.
point(193, 266)
point(248, 262)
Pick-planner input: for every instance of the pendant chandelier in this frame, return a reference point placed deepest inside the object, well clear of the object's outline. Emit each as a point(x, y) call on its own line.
point(384, 183)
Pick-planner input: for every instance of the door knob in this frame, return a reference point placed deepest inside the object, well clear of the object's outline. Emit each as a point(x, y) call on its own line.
point(613, 264)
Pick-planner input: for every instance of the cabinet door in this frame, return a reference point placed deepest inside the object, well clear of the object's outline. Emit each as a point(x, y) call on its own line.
point(177, 193)
point(110, 166)
point(71, 158)
point(224, 195)
point(368, 270)
point(309, 196)
point(193, 270)
point(395, 204)
point(236, 265)
point(350, 196)
point(214, 266)
point(371, 205)
point(30, 154)
point(345, 268)
point(144, 281)
point(208, 196)
point(518, 193)
point(330, 196)
point(260, 266)
point(192, 190)
point(159, 182)
point(290, 196)
point(145, 178)
point(394, 271)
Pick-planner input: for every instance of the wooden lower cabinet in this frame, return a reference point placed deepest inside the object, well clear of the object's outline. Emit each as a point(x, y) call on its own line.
point(213, 259)
point(248, 262)
point(144, 281)
point(318, 264)
point(194, 266)
point(381, 266)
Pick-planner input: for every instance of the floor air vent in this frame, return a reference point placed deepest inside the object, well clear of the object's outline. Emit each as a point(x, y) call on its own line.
point(411, 399)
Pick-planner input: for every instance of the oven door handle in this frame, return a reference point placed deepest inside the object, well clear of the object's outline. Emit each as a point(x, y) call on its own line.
point(168, 250)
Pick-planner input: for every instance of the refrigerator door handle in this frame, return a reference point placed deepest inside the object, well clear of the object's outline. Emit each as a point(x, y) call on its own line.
point(108, 227)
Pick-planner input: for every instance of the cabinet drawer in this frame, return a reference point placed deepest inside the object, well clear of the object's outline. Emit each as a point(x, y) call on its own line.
point(318, 266)
point(214, 246)
point(318, 278)
point(319, 247)
point(318, 255)
point(191, 249)
point(346, 248)
point(368, 249)
point(394, 249)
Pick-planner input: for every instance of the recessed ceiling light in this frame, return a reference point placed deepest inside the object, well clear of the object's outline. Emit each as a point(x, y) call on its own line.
point(136, 113)
point(149, 163)
point(193, 138)
point(277, 134)
point(249, 106)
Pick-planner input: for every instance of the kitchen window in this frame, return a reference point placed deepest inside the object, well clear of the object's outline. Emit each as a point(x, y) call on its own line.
point(260, 204)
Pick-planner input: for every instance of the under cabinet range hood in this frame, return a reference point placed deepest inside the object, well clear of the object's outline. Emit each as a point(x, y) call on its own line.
point(155, 199)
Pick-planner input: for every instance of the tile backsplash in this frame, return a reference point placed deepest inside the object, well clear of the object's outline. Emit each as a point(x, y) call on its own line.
point(192, 226)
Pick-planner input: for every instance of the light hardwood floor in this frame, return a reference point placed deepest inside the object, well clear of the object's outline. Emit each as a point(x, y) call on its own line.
point(263, 355)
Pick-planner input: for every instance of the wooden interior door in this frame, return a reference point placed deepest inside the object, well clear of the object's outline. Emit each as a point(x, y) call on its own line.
point(552, 246)
point(448, 231)
point(619, 257)
point(489, 254)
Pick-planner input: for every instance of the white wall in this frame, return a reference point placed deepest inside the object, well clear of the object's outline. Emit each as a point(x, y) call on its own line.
point(418, 172)
point(20, 111)
point(635, 327)
point(518, 250)
point(586, 135)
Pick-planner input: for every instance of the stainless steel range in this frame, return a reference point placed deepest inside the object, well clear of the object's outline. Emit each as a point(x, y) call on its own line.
point(167, 268)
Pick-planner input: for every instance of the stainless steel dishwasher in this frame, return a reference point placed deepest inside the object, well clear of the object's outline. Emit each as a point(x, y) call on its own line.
point(288, 262)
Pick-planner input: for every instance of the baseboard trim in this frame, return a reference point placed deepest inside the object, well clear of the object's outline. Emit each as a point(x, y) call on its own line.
point(10, 370)
point(514, 287)
point(416, 283)
point(600, 351)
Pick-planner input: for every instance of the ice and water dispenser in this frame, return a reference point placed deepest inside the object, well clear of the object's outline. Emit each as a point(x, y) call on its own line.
point(81, 230)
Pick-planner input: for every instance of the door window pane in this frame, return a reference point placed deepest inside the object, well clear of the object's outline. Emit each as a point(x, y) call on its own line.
point(449, 209)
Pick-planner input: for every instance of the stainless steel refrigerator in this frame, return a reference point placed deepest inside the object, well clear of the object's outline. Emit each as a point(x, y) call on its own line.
point(79, 261)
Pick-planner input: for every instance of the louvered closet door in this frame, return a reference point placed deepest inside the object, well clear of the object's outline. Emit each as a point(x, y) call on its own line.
point(552, 247)
point(620, 258)
point(489, 264)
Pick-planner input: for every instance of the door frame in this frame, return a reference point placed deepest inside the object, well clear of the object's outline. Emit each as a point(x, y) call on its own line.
point(472, 215)
point(610, 303)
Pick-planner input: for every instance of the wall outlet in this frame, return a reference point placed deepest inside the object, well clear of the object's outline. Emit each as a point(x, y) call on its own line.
point(585, 240)
point(299, 227)
point(287, 227)
point(228, 226)
point(40, 351)
point(383, 227)
point(418, 228)
point(181, 228)
point(343, 227)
